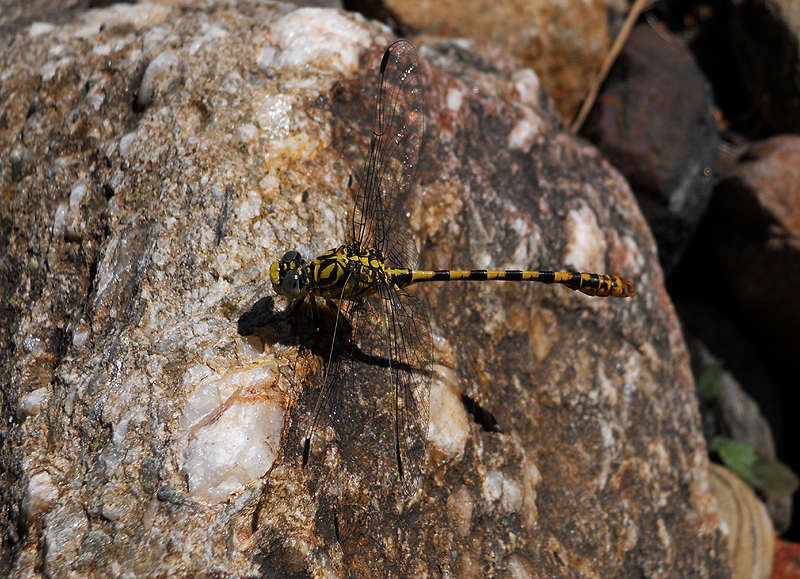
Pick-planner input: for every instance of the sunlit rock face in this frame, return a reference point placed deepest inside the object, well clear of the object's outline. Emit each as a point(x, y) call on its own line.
point(159, 159)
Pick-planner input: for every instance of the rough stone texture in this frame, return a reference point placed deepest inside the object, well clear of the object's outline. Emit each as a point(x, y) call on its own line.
point(564, 42)
point(159, 158)
point(654, 120)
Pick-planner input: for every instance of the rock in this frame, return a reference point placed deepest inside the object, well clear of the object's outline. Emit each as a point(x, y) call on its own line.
point(765, 37)
point(654, 120)
point(16, 16)
point(733, 414)
point(143, 233)
point(747, 247)
point(787, 560)
point(565, 47)
point(750, 52)
point(736, 415)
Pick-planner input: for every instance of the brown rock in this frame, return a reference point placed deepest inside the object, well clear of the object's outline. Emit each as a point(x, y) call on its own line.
point(162, 159)
point(564, 44)
point(787, 560)
point(753, 235)
point(654, 120)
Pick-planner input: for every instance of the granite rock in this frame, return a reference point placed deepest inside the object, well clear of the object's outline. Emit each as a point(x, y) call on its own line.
point(159, 158)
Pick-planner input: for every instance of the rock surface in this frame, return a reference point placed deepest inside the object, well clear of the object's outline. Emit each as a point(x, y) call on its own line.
point(159, 159)
point(565, 45)
point(654, 121)
point(765, 37)
point(749, 245)
point(751, 236)
point(733, 414)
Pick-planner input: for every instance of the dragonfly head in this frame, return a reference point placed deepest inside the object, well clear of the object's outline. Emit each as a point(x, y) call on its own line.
point(287, 279)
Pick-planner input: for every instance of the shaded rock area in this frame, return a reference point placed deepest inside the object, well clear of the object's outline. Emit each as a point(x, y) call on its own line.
point(769, 31)
point(742, 304)
point(748, 50)
point(753, 232)
point(16, 16)
point(733, 414)
point(654, 121)
point(160, 158)
point(748, 244)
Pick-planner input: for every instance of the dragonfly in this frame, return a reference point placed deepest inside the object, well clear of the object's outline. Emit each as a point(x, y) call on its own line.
point(365, 280)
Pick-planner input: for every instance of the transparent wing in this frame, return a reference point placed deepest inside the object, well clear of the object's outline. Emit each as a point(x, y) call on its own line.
point(411, 349)
point(379, 218)
point(373, 411)
point(371, 417)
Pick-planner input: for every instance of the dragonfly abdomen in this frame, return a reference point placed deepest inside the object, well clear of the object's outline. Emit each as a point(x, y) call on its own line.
point(592, 284)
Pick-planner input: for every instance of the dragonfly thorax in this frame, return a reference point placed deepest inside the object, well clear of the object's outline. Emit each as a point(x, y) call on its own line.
point(345, 272)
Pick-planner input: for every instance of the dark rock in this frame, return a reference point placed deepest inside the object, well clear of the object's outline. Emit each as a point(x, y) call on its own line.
point(750, 52)
point(739, 355)
point(765, 37)
point(733, 414)
point(752, 236)
point(654, 120)
point(745, 259)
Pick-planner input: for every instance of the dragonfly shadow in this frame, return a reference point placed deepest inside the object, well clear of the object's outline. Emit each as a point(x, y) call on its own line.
point(294, 328)
point(313, 328)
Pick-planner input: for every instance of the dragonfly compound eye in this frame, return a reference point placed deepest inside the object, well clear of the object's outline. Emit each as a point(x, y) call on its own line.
point(289, 258)
point(275, 275)
point(290, 284)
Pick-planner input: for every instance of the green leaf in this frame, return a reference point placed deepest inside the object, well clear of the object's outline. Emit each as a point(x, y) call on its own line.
point(758, 470)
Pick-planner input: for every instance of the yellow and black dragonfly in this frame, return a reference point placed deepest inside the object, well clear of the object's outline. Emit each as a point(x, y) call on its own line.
point(388, 327)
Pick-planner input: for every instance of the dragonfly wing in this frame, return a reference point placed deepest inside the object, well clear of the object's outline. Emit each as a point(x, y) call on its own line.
point(410, 347)
point(379, 218)
point(344, 428)
point(322, 435)
point(371, 417)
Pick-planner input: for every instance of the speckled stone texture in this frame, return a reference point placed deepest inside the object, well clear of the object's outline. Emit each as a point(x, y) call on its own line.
point(156, 159)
